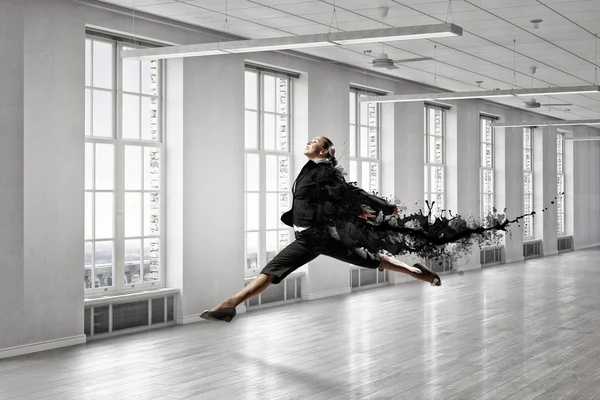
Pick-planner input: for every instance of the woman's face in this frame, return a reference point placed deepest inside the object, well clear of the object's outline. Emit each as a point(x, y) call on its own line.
point(314, 149)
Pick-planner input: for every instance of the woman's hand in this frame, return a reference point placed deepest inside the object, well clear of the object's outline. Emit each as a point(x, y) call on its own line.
point(367, 213)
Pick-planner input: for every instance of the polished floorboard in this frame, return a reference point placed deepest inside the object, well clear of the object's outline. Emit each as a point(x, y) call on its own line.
point(527, 330)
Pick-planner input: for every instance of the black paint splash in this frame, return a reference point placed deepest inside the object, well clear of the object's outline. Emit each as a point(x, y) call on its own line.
point(423, 234)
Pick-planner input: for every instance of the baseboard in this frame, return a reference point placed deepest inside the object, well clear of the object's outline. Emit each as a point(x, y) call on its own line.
point(550, 253)
point(587, 246)
point(326, 293)
point(42, 346)
point(469, 267)
point(189, 319)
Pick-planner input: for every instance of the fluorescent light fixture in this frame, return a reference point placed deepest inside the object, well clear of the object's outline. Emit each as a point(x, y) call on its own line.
point(582, 139)
point(482, 94)
point(295, 42)
point(394, 34)
point(277, 47)
point(526, 124)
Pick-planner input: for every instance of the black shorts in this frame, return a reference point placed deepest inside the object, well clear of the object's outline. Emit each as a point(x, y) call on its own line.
point(310, 244)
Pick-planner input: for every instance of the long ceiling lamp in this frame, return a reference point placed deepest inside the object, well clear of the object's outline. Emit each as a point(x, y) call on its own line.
point(481, 94)
point(526, 124)
point(296, 42)
point(582, 139)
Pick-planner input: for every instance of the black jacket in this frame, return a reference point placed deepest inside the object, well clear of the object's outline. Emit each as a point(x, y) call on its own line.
point(313, 187)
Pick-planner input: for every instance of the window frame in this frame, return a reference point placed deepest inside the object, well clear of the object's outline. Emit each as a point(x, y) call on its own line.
point(119, 143)
point(560, 197)
point(528, 220)
point(484, 168)
point(356, 161)
point(429, 165)
point(262, 157)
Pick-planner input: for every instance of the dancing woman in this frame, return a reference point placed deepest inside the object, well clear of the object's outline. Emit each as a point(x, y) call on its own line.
point(317, 189)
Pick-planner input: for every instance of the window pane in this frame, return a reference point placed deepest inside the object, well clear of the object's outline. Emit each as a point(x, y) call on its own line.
point(284, 205)
point(133, 261)
point(133, 214)
point(272, 211)
point(252, 250)
point(372, 143)
point(252, 212)
point(88, 112)
point(284, 239)
point(89, 166)
point(151, 270)
point(104, 262)
point(133, 168)
point(374, 177)
point(102, 114)
point(282, 132)
point(353, 171)
point(131, 116)
point(271, 175)
point(364, 114)
point(151, 168)
point(437, 179)
point(426, 174)
point(87, 264)
point(251, 90)
point(104, 218)
point(150, 77)
point(105, 167)
point(527, 183)
point(352, 140)
point(269, 93)
point(151, 214)
point(88, 62)
point(149, 118)
point(364, 142)
point(251, 130)
point(282, 95)
point(284, 173)
point(131, 74)
point(103, 64)
point(487, 156)
point(272, 245)
point(527, 160)
point(352, 101)
point(560, 184)
point(365, 174)
point(526, 138)
point(89, 215)
point(488, 181)
point(252, 176)
point(559, 163)
point(269, 129)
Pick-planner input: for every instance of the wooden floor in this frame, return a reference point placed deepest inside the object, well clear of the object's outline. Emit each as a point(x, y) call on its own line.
point(520, 331)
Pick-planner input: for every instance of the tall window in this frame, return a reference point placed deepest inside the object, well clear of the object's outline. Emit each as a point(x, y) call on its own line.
point(560, 184)
point(124, 151)
point(487, 166)
point(268, 166)
point(365, 129)
point(435, 133)
point(528, 182)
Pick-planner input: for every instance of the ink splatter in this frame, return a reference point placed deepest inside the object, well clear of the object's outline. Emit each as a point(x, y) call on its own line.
point(339, 203)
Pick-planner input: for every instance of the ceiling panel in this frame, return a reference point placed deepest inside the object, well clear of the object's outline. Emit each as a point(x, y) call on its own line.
point(561, 49)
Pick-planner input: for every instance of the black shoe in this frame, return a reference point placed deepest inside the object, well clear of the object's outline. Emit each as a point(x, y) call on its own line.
point(435, 278)
point(224, 314)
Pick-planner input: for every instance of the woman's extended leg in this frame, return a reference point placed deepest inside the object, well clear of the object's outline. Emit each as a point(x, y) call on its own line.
point(254, 288)
point(420, 273)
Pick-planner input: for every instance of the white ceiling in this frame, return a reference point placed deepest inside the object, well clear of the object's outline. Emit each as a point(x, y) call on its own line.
point(562, 48)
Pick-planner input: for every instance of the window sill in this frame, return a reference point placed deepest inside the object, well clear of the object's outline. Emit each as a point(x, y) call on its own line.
point(129, 297)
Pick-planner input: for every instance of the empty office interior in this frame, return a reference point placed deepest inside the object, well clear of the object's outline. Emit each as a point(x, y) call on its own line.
point(138, 194)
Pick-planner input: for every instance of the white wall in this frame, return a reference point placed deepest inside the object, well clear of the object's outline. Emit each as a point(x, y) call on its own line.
point(11, 173)
point(42, 165)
